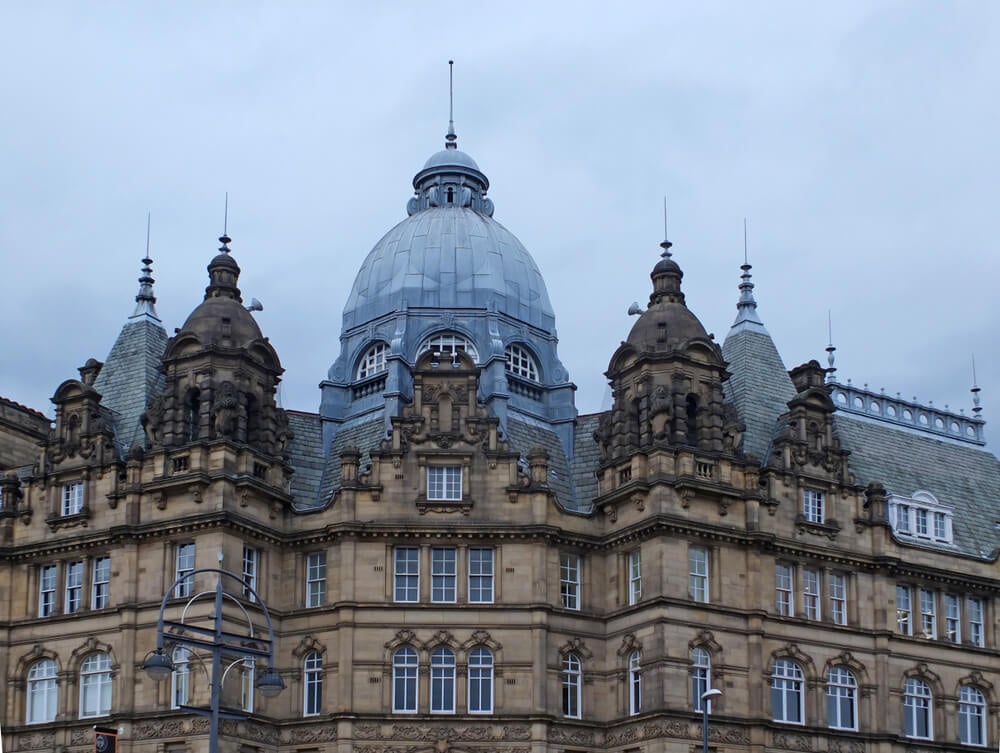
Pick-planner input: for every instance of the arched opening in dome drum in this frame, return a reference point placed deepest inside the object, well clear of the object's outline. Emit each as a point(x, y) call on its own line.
point(692, 420)
point(451, 195)
point(193, 414)
point(253, 419)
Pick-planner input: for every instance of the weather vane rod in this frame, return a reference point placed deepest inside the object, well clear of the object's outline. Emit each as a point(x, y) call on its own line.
point(148, 215)
point(225, 216)
point(746, 243)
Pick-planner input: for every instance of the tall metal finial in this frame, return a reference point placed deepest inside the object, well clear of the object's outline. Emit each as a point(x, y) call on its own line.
point(976, 389)
point(145, 301)
point(224, 239)
point(450, 140)
point(830, 349)
point(746, 252)
point(666, 243)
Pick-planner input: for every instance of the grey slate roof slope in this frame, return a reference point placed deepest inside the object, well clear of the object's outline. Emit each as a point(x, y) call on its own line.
point(964, 477)
point(759, 385)
point(365, 435)
point(586, 459)
point(523, 435)
point(130, 376)
point(305, 453)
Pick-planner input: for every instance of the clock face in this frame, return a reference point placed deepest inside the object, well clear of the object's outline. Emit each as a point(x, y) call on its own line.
point(104, 743)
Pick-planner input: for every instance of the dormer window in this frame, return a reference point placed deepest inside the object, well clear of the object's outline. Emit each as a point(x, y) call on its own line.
point(521, 363)
point(921, 517)
point(373, 361)
point(449, 343)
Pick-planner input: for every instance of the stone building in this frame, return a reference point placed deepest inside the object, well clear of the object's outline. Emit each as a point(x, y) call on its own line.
point(454, 560)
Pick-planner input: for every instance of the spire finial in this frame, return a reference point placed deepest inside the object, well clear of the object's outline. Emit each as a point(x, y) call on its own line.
point(976, 389)
point(145, 301)
point(224, 239)
point(450, 140)
point(666, 243)
point(746, 306)
point(830, 349)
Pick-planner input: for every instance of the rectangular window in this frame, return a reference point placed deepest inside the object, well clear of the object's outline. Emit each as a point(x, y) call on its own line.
point(315, 579)
point(903, 518)
point(975, 609)
point(74, 587)
point(184, 555)
point(837, 583)
point(952, 618)
point(444, 574)
point(444, 482)
point(481, 576)
point(569, 580)
point(941, 526)
point(784, 589)
point(251, 560)
point(247, 684)
point(928, 619)
point(812, 505)
point(811, 594)
point(904, 610)
point(47, 590)
point(72, 498)
point(920, 522)
point(634, 577)
point(406, 574)
point(698, 573)
point(101, 583)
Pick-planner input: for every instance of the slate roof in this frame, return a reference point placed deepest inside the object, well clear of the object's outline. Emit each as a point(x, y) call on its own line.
point(586, 458)
point(305, 453)
point(759, 385)
point(962, 476)
point(523, 435)
point(130, 376)
point(365, 435)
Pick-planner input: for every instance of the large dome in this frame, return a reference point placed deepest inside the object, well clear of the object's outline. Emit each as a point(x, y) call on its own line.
point(450, 258)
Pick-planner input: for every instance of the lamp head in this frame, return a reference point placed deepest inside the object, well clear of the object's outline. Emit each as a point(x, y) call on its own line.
point(710, 693)
point(270, 683)
point(158, 665)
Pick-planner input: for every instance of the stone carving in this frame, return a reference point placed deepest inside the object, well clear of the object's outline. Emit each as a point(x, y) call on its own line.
point(792, 741)
point(836, 745)
point(226, 411)
point(326, 733)
point(37, 741)
point(432, 733)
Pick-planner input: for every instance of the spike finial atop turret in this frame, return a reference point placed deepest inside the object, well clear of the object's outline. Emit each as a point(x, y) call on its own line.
point(145, 301)
point(451, 139)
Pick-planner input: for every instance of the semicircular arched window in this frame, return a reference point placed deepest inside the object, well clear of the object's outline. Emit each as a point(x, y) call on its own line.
point(520, 362)
point(449, 342)
point(373, 361)
point(43, 692)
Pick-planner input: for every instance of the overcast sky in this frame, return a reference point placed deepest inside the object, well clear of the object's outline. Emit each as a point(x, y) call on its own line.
point(860, 139)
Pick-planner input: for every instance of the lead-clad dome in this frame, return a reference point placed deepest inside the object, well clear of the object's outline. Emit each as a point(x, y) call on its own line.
point(449, 257)
point(450, 253)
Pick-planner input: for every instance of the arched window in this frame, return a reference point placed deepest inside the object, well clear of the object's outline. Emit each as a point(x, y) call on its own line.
point(787, 697)
point(841, 699)
point(193, 414)
point(312, 684)
point(448, 343)
point(373, 361)
point(443, 681)
point(572, 685)
point(971, 716)
point(918, 703)
point(404, 681)
point(95, 686)
point(43, 694)
point(521, 363)
point(180, 678)
point(701, 677)
point(480, 681)
point(634, 684)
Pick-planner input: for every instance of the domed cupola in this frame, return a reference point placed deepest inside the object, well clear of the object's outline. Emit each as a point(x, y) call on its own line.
point(221, 378)
point(667, 324)
point(666, 378)
point(448, 278)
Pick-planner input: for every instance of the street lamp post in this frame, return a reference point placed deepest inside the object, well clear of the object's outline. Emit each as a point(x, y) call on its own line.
point(218, 642)
point(706, 698)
